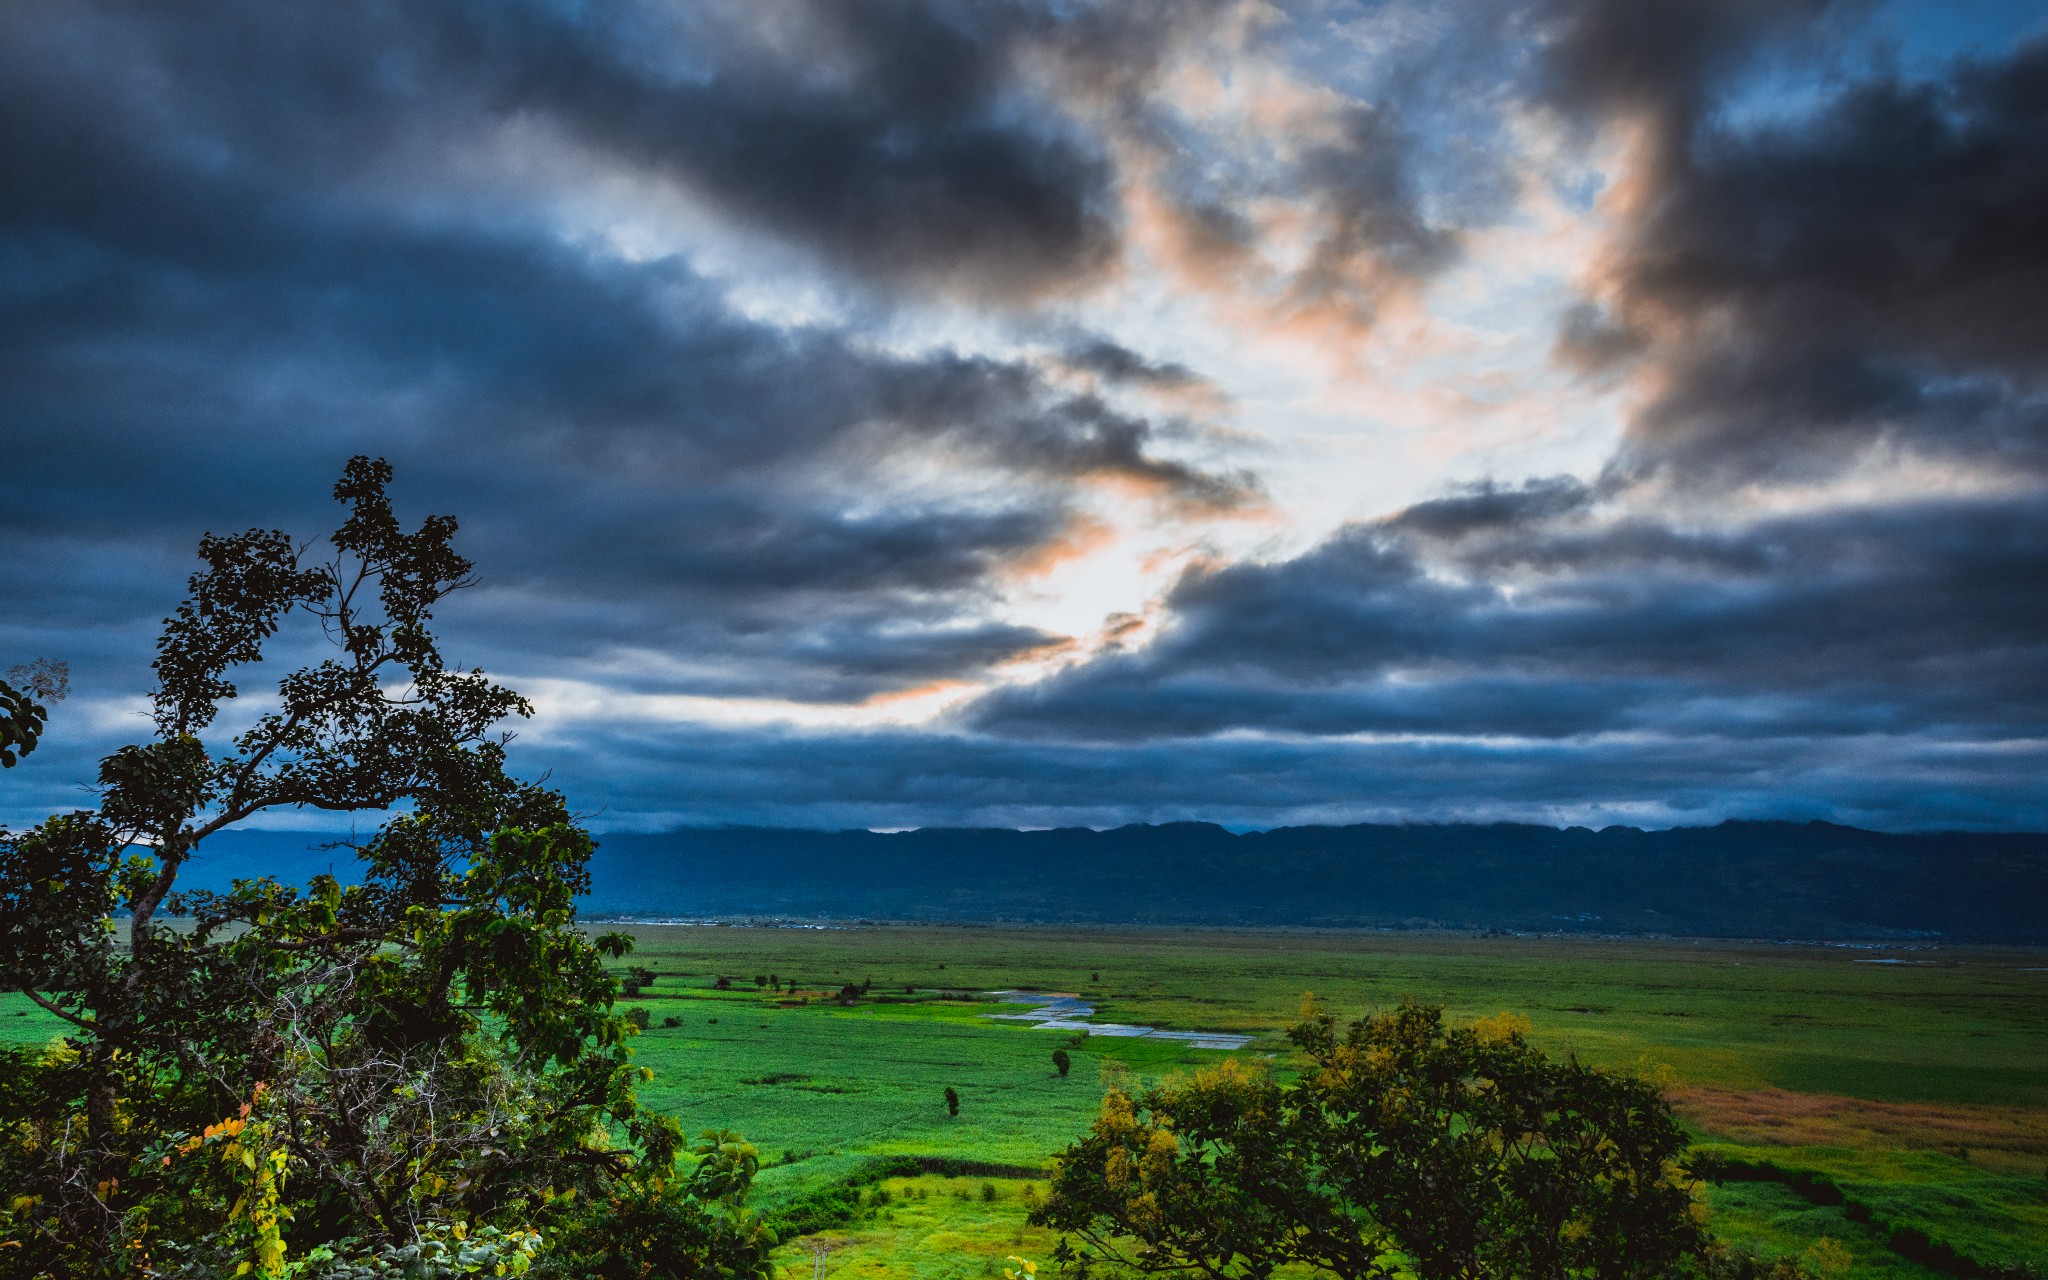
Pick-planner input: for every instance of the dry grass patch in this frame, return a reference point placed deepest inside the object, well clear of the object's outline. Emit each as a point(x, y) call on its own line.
point(2008, 1139)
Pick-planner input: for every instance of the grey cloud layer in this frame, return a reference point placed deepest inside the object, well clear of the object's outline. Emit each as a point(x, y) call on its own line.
point(654, 776)
point(1913, 620)
point(240, 241)
point(229, 258)
point(1801, 292)
point(1872, 272)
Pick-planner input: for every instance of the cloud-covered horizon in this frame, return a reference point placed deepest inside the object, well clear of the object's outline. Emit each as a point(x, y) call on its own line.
point(1037, 414)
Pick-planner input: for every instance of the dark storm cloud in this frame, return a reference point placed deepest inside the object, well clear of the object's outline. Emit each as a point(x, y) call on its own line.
point(1872, 269)
point(240, 241)
point(1663, 61)
point(1490, 506)
point(511, 383)
point(909, 778)
point(1119, 364)
point(887, 137)
point(1867, 271)
point(227, 262)
point(890, 139)
point(1511, 615)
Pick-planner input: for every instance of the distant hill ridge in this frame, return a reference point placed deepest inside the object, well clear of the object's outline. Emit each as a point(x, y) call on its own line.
point(1738, 879)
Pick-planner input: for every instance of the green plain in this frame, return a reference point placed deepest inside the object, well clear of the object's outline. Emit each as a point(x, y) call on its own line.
point(1945, 1050)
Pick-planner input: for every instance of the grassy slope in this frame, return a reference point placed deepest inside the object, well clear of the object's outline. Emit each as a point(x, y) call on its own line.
point(1776, 1051)
point(1921, 1088)
point(934, 1228)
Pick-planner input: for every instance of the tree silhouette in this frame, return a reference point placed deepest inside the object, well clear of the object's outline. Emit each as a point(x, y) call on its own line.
point(22, 711)
point(364, 1051)
point(1406, 1147)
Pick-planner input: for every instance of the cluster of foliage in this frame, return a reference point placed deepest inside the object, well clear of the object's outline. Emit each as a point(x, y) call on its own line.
point(421, 1073)
point(841, 1202)
point(1407, 1148)
point(22, 713)
point(637, 979)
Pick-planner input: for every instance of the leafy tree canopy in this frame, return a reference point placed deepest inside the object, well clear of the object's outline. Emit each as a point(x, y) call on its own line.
point(273, 1077)
point(1406, 1148)
point(22, 713)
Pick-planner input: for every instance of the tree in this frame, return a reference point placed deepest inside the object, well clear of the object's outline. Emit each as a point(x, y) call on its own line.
point(295, 1065)
point(952, 1101)
point(22, 713)
point(1061, 1062)
point(661, 1228)
point(1406, 1147)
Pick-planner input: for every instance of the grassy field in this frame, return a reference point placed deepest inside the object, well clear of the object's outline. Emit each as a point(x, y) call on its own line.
point(1919, 1088)
point(1914, 1081)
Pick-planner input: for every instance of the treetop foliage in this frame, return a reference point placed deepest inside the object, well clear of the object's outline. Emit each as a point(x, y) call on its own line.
point(1407, 1148)
point(22, 713)
point(322, 1076)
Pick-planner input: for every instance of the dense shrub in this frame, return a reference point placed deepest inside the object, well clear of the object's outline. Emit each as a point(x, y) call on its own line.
point(1404, 1145)
point(411, 1069)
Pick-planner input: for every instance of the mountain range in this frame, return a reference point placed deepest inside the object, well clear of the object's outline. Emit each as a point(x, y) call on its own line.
point(1738, 879)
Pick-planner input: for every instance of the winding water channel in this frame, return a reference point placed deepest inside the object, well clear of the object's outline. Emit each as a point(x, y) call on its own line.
point(1058, 1011)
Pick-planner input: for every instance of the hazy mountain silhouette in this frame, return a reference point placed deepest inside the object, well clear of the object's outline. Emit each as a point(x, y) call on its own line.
point(1739, 879)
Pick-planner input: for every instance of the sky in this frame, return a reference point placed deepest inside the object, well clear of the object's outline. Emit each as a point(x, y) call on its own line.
point(892, 413)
